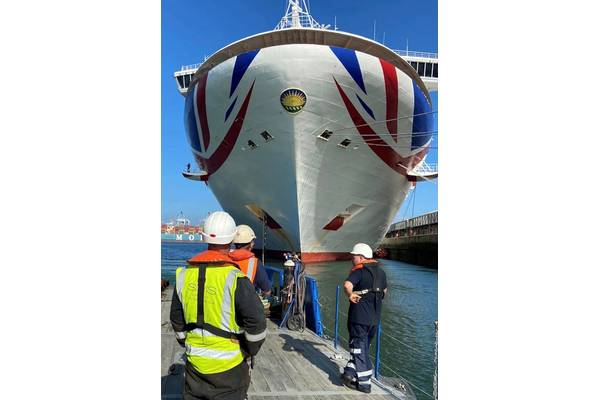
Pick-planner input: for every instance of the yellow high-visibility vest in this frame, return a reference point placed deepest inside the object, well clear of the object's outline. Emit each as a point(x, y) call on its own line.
point(209, 352)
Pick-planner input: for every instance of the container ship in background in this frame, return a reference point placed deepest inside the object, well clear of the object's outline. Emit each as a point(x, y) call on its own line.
point(180, 231)
point(313, 137)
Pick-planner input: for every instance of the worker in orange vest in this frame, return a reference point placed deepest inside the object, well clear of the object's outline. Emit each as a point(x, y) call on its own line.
point(249, 264)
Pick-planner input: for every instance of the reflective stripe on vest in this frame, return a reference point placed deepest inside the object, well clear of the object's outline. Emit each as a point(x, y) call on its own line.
point(257, 337)
point(251, 272)
point(249, 267)
point(180, 272)
point(227, 322)
point(210, 353)
point(206, 351)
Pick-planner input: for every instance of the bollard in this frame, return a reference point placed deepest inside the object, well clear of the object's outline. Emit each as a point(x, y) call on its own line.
point(337, 309)
point(377, 350)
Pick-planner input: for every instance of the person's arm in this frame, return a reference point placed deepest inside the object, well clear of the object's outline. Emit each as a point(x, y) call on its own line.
point(353, 297)
point(262, 281)
point(177, 318)
point(384, 284)
point(250, 316)
point(349, 285)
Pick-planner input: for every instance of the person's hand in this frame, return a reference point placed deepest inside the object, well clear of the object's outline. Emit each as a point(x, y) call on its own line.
point(354, 298)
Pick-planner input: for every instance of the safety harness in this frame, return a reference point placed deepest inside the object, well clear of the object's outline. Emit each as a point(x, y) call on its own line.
point(202, 262)
point(377, 276)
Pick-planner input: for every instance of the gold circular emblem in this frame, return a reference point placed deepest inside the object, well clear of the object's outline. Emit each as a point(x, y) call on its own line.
point(293, 100)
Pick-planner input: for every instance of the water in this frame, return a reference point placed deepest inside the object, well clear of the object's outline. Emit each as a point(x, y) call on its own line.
point(408, 316)
point(174, 255)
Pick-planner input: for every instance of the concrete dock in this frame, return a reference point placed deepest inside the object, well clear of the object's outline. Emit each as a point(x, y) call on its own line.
point(290, 365)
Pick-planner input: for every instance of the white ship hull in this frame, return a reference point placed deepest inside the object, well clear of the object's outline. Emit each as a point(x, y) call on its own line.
point(318, 197)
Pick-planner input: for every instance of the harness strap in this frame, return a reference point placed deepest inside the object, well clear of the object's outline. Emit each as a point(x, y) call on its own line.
point(200, 324)
point(368, 291)
point(212, 329)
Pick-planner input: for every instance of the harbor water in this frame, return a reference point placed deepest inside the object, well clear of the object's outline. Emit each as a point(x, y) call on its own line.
point(408, 316)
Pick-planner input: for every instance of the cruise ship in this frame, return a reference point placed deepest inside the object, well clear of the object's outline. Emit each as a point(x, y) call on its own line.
point(312, 136)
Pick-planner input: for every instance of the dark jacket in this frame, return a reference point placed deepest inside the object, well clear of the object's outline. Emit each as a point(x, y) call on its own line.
point(368, 310)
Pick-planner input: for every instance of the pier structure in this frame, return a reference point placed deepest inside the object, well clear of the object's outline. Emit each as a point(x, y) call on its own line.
point(413, 240)
point(290, 365)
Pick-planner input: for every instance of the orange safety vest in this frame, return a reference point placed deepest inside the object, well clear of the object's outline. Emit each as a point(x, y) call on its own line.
point(209, 256)
point(246, 261)
point(359, 266)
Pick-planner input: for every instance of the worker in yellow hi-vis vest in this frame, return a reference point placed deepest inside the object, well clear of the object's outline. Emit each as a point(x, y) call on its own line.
point(217, 316)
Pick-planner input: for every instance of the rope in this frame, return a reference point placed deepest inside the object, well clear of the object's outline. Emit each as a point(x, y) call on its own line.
point(384, 121)
point(407, 204)
point(397, 374)
point(405, 344)
point(414, 201)
point(435, 373)
point(432, 133)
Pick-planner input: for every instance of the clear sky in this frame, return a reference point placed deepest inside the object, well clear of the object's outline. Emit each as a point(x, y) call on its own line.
point(192, 29)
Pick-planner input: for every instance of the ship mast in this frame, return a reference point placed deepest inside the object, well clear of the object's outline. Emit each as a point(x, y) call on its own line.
point(296, 17)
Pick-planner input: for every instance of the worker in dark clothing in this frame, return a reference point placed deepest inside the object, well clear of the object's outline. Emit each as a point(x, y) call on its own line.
point(217, 317)
point(189, 166)
point(249, 264)
point(365, 287)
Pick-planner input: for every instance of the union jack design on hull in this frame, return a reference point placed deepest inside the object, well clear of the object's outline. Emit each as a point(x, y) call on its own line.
point(315, 132)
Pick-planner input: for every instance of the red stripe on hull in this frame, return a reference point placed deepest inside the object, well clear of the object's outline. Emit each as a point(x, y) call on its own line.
point(391, 98)
point(201, 104)
point(334, 224)
point(307, 258)
point(212, 164)
point(310, 258)
point(386, 153)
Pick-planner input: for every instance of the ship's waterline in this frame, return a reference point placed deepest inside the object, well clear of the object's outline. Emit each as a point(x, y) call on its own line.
point(316, 141)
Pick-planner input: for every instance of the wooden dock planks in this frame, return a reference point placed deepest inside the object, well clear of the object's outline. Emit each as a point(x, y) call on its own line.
point(290, 366)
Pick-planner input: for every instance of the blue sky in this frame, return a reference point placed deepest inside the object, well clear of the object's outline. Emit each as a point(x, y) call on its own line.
point(192, 29)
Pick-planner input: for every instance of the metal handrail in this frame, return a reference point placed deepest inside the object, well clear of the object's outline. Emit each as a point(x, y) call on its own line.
point(337, 310)
point(422, 54)
point(425, 167)
point(191, 66)
point(378, 362)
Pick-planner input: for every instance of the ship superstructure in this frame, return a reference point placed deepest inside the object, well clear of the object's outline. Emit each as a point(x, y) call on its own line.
point(315, 135)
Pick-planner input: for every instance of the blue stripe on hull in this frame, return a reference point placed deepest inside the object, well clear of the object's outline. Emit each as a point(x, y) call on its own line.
point(422, 119)
point(349, 60)
point(191, 127)
point(242, 62)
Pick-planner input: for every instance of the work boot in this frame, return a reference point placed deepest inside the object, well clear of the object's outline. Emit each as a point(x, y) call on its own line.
point(347, 380)
point(363, 388)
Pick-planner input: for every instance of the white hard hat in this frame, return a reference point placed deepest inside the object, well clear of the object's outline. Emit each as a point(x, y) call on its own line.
point(362, 249)
point(219, 228)
point(245, 234)
point(289, 263)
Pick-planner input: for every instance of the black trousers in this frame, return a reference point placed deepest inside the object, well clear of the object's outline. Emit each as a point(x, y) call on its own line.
point(229, 385)
point(360, 367)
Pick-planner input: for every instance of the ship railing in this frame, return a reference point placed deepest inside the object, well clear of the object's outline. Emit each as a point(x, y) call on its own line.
point(193, 66)
point(426, 168)
point(335, 336)
point(410, 53)
point(305, 21)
